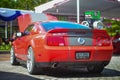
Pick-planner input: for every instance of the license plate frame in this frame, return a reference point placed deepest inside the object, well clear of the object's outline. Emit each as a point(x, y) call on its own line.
point(82, 55)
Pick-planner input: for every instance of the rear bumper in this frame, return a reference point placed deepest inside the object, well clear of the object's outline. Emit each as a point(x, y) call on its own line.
point(70, 64)
point(67, 54)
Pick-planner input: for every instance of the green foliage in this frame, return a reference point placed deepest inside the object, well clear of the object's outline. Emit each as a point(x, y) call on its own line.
point(5, 47)
point(114, 29)
point(21, 4)
point(7, 3)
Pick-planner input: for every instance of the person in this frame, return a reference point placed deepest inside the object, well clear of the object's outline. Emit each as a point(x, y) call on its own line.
point(13, 36)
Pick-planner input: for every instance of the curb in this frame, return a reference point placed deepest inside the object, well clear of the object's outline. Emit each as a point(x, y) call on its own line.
point(4, 52)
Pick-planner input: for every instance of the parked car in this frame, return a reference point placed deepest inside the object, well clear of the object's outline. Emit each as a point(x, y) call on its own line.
point(55, 44)
point(116, 44)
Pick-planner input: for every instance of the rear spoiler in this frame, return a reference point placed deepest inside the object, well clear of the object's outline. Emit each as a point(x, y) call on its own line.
point(69, 30)
point(80, 31)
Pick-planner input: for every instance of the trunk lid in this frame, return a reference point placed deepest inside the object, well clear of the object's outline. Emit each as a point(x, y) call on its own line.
point(74, 37)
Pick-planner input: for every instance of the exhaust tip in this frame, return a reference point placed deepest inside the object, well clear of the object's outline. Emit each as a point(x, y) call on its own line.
point(54, 65)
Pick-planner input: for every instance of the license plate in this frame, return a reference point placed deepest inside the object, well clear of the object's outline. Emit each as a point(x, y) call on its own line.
point(82, 55)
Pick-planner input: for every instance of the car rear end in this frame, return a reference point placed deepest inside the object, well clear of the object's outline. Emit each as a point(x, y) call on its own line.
point(77, 48)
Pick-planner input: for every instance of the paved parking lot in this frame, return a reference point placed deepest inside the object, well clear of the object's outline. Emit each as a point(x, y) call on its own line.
point(8, 72)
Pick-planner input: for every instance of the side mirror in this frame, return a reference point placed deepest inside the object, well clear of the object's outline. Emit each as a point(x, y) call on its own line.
point(19, 34)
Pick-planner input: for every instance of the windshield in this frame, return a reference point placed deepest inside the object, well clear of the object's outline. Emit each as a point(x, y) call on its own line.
point(62, 25)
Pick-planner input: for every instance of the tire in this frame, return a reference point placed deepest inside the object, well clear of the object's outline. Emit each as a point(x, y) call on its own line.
point(31, 66)
point(95, 69)
point(13, 60)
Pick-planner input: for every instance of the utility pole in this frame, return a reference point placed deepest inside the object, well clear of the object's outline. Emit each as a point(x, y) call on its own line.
point(78, 11)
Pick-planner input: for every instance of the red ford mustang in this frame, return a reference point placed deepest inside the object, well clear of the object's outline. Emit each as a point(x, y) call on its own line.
point(61, 44)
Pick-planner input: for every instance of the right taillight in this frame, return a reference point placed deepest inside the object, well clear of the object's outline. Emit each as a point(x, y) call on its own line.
point(55, 41)
point(103, 41)
point(101, 38)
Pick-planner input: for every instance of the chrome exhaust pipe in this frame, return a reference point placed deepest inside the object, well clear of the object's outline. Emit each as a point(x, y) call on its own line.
point(54, 65)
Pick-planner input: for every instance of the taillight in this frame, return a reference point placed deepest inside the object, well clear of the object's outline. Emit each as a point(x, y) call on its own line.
point(101, 38)
point(103, 41)
point(55, 41)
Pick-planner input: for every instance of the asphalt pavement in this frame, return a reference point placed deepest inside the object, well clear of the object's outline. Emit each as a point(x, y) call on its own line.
point(9, 72)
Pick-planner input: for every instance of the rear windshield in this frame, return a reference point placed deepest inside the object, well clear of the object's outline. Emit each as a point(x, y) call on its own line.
point(62, 25)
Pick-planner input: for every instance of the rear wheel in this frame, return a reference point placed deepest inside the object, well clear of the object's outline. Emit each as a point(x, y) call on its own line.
point(95, 69)
point(31, 67)
point(13, 60)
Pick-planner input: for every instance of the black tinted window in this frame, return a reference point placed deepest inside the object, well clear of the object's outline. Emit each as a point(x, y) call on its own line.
point(28, 29)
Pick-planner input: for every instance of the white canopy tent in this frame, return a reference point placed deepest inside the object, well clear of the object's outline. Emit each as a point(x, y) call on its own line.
point(108, 8)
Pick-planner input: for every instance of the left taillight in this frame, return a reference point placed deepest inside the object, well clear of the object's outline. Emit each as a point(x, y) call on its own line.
point(55, 41)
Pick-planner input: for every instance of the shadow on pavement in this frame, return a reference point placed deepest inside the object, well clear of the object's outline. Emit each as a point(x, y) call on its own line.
point(116, 54)
point(15, 76)
point(110, 73)
point(68, 73)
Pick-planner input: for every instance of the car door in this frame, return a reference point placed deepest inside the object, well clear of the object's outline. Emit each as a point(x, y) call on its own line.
point(17, 46)
point(23, 42)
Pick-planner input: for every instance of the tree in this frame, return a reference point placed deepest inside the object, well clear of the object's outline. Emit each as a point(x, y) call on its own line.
point(7, 4)
point(115, 27)
point(21, 4)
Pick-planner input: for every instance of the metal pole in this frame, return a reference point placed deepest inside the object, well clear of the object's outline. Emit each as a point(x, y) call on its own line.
point(10, 28)
point(6, 30)
point(78, 11)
